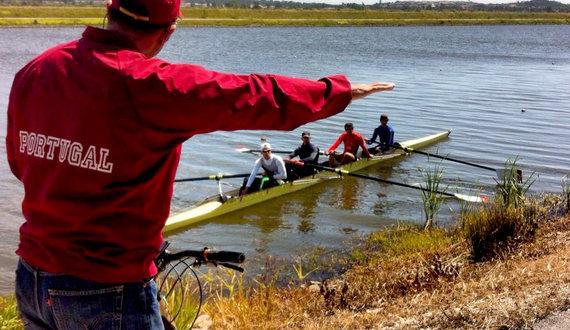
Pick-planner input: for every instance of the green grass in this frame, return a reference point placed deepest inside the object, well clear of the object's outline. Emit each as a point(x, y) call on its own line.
point(193, 16)
point(9, 319)
point(402, 241)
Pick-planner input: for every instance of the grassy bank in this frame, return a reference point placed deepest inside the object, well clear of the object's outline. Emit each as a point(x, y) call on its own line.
point(407, 278)
point(14, 16)
point(513, 273)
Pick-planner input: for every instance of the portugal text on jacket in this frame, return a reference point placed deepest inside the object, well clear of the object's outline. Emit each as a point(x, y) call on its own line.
point(39, 145)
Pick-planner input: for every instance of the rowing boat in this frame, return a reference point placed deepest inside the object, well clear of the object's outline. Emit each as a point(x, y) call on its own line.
point(230, 201)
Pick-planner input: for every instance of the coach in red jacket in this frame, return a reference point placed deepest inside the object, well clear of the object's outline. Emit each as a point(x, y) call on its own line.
point(95, 128)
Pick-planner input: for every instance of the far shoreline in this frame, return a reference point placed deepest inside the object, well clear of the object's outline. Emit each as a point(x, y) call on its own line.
point(78, 22)
point(20, 16)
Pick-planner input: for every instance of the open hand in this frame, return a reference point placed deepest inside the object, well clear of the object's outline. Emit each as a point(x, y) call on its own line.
point(363, 90)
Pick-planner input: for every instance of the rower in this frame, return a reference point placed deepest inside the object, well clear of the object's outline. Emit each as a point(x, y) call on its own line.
point(308, 154)
point(352, 140)
point(386, 135)
point(273, 175)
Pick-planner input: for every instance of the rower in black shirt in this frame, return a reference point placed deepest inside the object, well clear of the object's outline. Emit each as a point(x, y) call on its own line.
point(308, 153)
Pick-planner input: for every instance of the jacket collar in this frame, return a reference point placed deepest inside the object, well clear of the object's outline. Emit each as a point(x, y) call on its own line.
point(108, 37)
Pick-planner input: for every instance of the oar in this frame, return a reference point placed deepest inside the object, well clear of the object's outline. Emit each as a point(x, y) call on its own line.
point(468, 198)
point(500, 172)
point(246, 150)
point(218, 176)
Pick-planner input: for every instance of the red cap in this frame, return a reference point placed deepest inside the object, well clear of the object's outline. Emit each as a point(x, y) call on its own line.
point(151, 11)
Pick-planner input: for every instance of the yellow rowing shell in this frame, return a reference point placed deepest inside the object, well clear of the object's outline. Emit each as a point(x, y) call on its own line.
point(213, 206)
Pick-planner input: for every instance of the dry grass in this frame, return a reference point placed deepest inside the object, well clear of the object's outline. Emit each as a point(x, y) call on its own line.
point(420, 290)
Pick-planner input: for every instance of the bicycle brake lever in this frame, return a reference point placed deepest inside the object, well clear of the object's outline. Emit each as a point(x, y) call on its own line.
point(232, 266)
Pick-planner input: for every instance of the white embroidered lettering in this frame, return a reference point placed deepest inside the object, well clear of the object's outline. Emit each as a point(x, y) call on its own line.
point(31, 143)
point(103, 165)
point(53, 143)
point(41, 142)
point(75, 153)
point(23, 141)
point(89, 161)
point(63, 150)
point(34, 144)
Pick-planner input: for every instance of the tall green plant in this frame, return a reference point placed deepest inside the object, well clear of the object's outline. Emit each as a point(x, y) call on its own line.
point(432, 197)
point(513, 188)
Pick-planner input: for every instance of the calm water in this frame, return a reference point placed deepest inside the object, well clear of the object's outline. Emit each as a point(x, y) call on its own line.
point(475, 80)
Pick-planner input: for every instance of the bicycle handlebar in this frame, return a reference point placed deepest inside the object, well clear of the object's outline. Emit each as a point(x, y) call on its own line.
point(223, 258)
point(207, 255)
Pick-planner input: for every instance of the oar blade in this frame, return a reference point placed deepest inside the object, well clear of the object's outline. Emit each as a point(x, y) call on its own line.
point(243, 149)
point(471, 198)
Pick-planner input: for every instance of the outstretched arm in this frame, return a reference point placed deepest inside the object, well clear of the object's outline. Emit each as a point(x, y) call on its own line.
point(336, 144)
point(256, 168)
point(374, 136)
point(363, 90)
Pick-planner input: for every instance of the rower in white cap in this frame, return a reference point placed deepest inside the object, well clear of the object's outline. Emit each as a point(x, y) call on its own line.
point(273, 175)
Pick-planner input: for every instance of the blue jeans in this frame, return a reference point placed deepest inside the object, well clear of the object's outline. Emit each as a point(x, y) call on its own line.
point(60, 301)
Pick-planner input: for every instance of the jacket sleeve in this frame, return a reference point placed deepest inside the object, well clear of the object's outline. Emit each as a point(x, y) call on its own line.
point(12, 141)
point(182, 99)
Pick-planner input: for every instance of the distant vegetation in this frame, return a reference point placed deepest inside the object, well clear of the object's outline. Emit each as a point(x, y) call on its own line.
point(532, 6)
point(228, 16)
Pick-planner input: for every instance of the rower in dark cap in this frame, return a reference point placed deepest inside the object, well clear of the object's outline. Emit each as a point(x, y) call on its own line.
point(308, 153)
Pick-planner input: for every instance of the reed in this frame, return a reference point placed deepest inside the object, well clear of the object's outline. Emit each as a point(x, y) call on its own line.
point(513, 188)
point(432, 196)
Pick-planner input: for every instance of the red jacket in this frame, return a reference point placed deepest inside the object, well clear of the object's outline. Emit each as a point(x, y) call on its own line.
point(95, 131)
point(351, 143)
